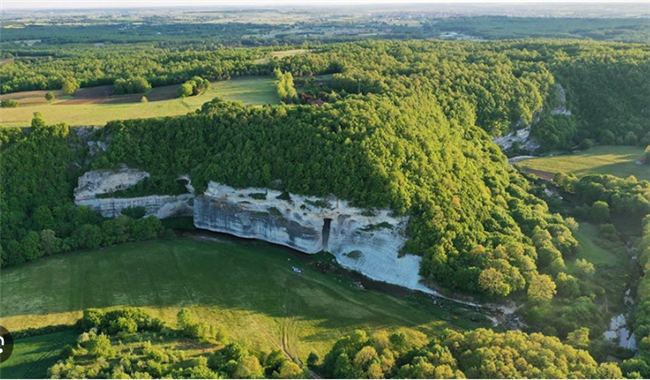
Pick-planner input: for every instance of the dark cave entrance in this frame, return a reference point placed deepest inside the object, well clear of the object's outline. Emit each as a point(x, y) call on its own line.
point(327, 222)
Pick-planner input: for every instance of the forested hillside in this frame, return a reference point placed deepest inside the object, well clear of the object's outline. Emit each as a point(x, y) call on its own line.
point(505, 83)
point(407, 141)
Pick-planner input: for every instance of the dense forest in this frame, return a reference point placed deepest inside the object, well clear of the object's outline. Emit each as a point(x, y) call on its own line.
point(470, 213)
point(400, 133)
point(477, 354)
point(507, 84)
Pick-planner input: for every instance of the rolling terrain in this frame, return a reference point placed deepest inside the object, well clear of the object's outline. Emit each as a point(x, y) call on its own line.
point(247, 289)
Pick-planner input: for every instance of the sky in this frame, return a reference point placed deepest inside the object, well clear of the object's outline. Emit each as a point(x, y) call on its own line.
point(88, 4)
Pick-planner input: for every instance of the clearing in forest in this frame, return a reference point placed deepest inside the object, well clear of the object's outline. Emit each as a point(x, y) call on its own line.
point(95, 105)
point(614, 160)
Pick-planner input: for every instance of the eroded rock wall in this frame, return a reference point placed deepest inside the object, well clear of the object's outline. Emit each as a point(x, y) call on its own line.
point(94, 183)
point(362, 240)
point(368, 241)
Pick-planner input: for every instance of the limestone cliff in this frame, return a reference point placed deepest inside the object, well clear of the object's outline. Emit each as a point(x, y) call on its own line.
point(362, 240)
point(368, 241)
point(94, 183)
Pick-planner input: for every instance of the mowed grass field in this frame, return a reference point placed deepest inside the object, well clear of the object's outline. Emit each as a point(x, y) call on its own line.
point(247, 289)
point(95, 106)
point(33, 356)
point(614, 160)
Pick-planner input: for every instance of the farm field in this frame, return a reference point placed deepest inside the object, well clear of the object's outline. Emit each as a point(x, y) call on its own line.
point(248, 289)
point(614, 160)
point(34, 355)
point(94, 106)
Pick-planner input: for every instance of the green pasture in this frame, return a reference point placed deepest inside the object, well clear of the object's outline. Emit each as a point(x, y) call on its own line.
point(253, 90)
point(248, 289)
point(33, 356)
point(614, 160)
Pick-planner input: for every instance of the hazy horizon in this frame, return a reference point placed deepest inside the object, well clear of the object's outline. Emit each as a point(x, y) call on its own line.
point(124, 4)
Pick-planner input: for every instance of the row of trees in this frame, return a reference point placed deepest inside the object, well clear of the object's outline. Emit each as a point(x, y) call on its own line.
point(286, 88)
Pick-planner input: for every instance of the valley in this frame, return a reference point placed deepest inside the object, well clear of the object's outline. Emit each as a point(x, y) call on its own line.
point(398, 191)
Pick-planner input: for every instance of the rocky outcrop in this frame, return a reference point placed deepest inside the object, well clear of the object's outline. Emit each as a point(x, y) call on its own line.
point(367, 241)
point(522, 136)
point(94, 183)
point(362, 240)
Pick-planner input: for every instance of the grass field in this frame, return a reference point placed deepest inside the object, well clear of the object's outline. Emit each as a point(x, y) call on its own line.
point(586, 235)
point(248, 289)
point(93, 107)
point(33, 356)
point(614, 267)
point(615, 160)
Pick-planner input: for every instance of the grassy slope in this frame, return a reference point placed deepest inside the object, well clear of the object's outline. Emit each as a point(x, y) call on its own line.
point(615, 160)
point(33, 356)
point(587, 234)
point(247, 289)
point(256, 90)
point(614, 267)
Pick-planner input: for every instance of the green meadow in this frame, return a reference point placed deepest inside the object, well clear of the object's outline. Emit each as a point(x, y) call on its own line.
point(251, 90)
point(247, 289)
point(614, 160)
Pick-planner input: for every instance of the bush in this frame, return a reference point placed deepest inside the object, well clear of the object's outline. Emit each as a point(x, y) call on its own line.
point(49, 96)
point(9, 103)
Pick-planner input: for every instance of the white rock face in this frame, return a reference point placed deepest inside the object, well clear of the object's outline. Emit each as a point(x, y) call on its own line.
point(366, 242)
point(521, 136)
point(101, 182)
point(94, 183)
point(619, 332)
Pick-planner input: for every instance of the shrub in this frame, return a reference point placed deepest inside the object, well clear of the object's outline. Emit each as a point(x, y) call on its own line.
point(9, 103)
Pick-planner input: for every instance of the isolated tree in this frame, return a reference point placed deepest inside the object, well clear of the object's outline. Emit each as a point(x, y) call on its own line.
point(49, 96)
point(584, 269)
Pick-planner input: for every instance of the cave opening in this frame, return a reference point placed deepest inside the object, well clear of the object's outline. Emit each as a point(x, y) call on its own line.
point(327, 222)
